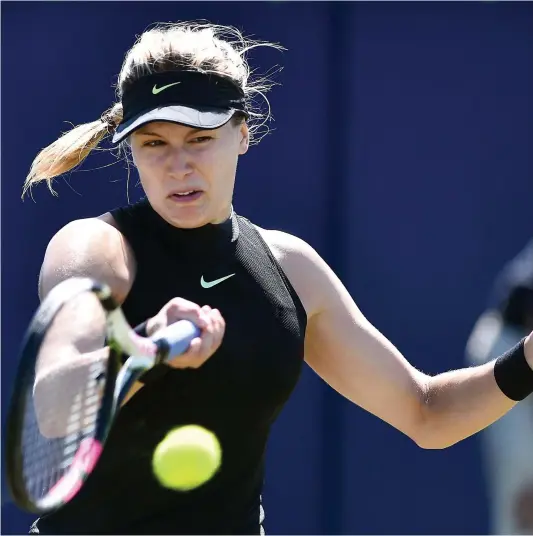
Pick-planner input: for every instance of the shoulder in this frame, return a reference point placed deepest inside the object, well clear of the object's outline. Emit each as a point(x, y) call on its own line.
point(90, 247)
point(89, 236)
point(303, 266)
point(286, 247)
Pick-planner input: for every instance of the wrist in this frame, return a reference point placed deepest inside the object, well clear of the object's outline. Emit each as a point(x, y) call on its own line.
point(513, 372)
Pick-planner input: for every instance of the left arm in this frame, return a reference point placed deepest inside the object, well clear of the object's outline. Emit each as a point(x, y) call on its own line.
point(354, 358)
point(463, 402)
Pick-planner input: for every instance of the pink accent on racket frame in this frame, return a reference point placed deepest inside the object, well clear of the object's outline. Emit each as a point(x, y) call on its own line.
point(82, 465)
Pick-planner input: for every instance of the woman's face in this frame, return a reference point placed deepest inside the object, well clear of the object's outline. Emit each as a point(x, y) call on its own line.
point(188, 174)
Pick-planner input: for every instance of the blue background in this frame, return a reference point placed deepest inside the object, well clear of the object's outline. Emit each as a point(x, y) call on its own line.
point(401, 152)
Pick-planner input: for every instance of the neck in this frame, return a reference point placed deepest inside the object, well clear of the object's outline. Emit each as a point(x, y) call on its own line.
point(214, 235)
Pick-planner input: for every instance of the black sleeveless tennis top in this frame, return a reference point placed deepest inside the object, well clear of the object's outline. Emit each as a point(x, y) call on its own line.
point(237, 393)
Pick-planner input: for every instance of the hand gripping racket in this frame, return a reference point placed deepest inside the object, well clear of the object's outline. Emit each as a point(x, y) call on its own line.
point(70, 383)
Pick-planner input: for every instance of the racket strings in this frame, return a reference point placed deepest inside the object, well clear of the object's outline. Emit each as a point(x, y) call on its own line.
point(47, 459)
point(63, 396)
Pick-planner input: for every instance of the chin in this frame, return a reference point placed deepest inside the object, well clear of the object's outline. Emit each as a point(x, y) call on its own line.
point(186, 217)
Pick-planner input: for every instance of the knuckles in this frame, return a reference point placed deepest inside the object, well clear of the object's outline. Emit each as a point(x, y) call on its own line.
point(211, 321)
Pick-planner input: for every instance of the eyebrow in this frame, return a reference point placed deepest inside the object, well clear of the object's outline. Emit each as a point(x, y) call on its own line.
point(150, 133)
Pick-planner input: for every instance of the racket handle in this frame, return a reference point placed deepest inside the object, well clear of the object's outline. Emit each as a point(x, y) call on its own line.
point(175, 339)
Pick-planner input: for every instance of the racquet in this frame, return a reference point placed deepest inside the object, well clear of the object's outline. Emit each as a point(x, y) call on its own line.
point(70, 384)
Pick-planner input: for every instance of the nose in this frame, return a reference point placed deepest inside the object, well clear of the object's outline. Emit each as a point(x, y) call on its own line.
point(179, 163)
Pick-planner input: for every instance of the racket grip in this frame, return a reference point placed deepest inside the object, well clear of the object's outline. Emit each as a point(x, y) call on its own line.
point(174, 340)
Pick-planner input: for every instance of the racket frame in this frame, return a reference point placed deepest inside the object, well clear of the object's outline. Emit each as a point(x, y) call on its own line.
point(121, 339)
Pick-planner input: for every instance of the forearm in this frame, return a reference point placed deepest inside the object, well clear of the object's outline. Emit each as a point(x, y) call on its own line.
point(62, 389)
point(460, 403)
point(64, 376)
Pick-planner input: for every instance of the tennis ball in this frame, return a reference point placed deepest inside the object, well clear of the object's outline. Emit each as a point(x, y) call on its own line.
point(186, 458)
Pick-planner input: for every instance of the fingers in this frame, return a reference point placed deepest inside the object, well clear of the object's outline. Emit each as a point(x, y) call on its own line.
point(213, 332)
point(176, 309)
point(180, 309)
point(212, 327)
point(207, 339)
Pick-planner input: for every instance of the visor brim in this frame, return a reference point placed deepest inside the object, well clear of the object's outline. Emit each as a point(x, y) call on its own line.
point(207, 119)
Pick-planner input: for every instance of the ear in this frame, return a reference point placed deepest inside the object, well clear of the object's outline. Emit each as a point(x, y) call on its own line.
point(244, 134)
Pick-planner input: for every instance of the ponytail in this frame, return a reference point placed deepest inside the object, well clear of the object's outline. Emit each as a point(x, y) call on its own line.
point(71, 149)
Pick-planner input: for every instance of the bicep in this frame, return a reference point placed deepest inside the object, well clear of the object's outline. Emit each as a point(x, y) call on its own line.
point(344, 348)
point(356, 360)
point(88, 248)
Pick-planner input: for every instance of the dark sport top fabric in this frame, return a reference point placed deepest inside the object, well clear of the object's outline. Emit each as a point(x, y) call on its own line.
point(237, 393)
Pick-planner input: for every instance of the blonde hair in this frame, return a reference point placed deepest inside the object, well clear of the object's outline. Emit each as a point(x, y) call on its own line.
point(197, 46)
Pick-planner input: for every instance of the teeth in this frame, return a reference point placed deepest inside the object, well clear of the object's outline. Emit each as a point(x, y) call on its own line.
point(186, 193)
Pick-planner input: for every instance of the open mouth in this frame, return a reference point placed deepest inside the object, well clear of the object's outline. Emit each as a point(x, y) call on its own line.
point(189, 195)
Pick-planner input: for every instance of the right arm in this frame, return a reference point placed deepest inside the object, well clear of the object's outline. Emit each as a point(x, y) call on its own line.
point(89, 248)
point(84, 248)
point(94, 248)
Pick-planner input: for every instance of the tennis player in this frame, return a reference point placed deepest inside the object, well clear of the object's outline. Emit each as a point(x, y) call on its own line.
point(183, 110)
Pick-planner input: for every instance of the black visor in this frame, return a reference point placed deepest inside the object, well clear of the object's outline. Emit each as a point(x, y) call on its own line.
point(190, 98)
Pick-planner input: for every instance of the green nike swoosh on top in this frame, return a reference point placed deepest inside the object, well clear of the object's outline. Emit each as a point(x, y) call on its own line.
point(156, 90)
point(209, 284)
